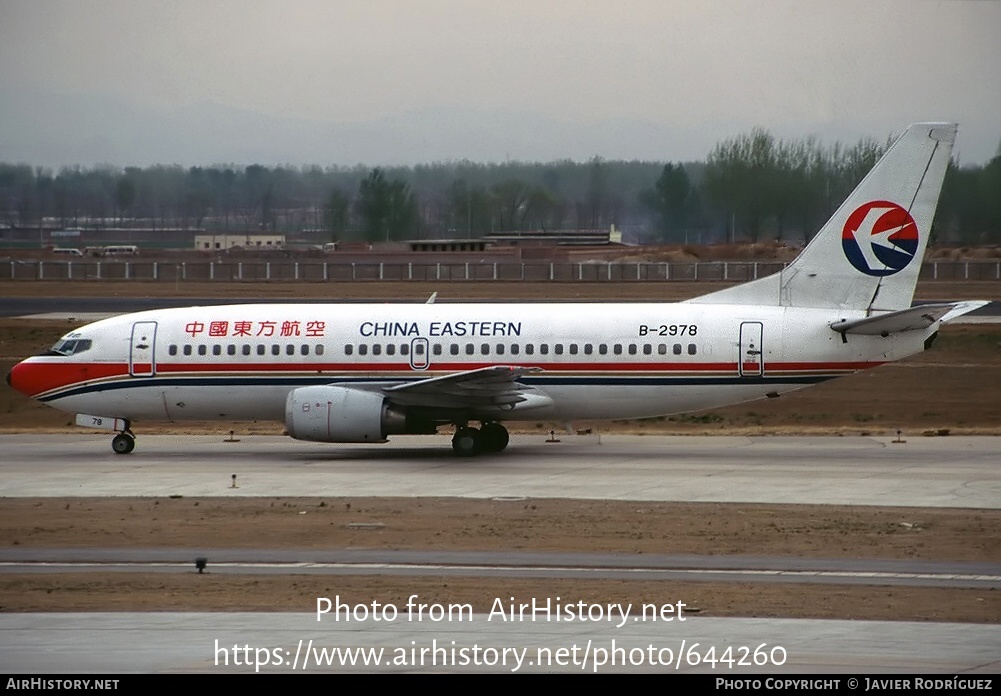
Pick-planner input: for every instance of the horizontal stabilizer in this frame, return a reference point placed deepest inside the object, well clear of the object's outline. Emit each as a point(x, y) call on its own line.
point(913, 319)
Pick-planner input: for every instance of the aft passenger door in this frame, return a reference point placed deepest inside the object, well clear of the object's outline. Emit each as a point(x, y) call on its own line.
point(142, 350)
point(751, 360)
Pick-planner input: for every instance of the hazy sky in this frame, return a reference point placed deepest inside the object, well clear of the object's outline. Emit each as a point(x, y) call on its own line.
point(402, 82)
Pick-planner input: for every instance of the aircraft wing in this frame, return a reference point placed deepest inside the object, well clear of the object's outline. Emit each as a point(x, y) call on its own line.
point(488, 389)
point(912, 319)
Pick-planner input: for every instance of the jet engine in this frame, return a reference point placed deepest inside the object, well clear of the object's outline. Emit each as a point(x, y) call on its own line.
point(341, 414)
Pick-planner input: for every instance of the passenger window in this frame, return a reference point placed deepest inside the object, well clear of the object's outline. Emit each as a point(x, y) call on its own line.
point(405, 349)
point(558, 349)
point(544, 349)
point(173, 349)
point(348, 349)
point(437, 349)
point(515, 348)
point(276, 349)
point(454, 349)
point(588, 349)
point(246, 349)
point(500, 349)
point(617, 349)
point(470, 349)
point(647, 349)
point(304, 349)
point(573, 349)
point(603, 349)
point(530, 349)
point(203, 349)
point(691, 349)
point(261, 349)
point(390, 349)
point(363, 349)
point(231, 349)
point(377, 349)
point(677, 349)
point(632, 349)
point(319, 349)
point(662, 349)
point(484, 349)
point(419, 349)
point(216, 349)
point(187, 349)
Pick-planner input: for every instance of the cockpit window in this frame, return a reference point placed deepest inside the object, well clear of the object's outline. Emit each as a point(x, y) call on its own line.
point(71, 346)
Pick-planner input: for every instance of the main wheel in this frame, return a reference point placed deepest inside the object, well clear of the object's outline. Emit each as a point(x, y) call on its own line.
point(494, 437)
point(466, 442)
point(123, 443)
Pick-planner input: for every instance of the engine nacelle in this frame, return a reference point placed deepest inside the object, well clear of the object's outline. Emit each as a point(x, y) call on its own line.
point(340, 414)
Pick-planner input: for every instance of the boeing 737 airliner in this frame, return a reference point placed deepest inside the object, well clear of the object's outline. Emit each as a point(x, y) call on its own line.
point(358, 373)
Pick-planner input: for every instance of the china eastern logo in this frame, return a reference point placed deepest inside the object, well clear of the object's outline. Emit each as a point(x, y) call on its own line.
point(880, 238)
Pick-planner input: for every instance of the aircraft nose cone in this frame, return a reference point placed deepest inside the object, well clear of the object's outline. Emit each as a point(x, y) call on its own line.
point(17, 379)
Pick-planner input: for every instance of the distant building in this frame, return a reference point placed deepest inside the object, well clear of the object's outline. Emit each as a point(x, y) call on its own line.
point(222, 242)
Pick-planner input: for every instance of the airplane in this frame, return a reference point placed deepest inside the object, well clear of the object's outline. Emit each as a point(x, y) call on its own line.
point(354, 373)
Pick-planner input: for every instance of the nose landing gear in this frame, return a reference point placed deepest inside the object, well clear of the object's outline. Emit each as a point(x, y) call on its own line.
point(123, 443)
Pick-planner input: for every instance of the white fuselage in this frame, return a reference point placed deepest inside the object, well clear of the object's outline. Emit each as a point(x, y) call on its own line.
point(595, 361)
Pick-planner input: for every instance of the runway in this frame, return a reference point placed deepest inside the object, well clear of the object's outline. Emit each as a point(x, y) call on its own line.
point(952, 472)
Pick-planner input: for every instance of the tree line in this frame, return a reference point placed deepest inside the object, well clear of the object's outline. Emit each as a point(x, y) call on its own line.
point(750, 187)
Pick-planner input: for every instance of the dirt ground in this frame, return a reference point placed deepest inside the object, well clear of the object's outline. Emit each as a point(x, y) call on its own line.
point(949, 389)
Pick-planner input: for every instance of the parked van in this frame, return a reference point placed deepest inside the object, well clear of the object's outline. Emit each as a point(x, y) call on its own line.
point(120, 250)
point(67, 252)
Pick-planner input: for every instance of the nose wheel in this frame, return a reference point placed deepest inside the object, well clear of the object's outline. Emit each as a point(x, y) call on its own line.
point(123, 443)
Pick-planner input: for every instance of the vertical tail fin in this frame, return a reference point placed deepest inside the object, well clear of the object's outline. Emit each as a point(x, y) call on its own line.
point(868, 255)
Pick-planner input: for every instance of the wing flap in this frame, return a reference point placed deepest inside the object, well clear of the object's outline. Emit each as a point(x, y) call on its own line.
point(494, 388)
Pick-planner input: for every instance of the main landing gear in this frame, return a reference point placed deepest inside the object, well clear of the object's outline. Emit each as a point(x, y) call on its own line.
point(489, 438)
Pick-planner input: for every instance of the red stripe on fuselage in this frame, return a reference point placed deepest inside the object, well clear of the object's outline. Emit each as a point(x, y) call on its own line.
point(33, 377)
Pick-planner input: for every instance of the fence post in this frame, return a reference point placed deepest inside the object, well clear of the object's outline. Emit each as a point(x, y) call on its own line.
point(325, 276)
point(98, 270)
point(696, 270)
point(552, 271)
point(495, 270)
point(211, 270)
point(296, 270)
point(410, 270)
point(156, 270)
point(966, 270)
